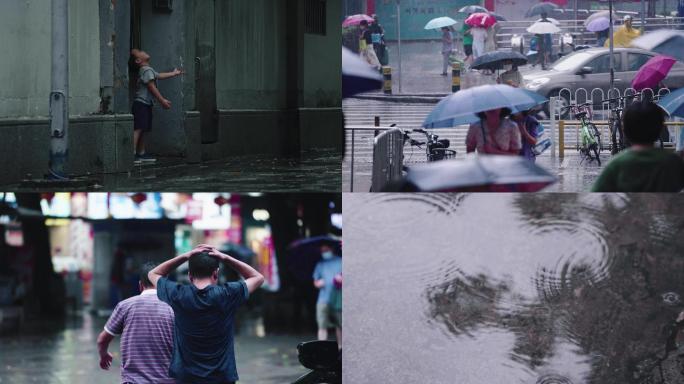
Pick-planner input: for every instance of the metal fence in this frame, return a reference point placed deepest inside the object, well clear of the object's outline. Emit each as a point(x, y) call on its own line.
point(388, 157)
point(575, 28)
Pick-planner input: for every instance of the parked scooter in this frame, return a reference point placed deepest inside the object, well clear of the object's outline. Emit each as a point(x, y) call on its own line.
point(325, 361)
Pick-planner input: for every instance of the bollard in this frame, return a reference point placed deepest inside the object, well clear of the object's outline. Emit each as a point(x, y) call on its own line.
point(455, 77)
point(377, 124)
point(387, 77)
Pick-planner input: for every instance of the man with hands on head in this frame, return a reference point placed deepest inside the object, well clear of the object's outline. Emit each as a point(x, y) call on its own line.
point(204, 312)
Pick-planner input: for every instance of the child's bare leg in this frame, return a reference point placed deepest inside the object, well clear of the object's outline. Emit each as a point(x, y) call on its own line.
point(322, 334)
point(136, 139)
point(339, 337)
point(140, 147)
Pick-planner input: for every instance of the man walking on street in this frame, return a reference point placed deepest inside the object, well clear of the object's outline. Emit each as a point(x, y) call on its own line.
point(204, 312)
point(146, 328)
point(328, 279)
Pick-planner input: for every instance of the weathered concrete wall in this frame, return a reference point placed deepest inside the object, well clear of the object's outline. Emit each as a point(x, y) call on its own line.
point(323, 64)
point(97, 144)
point(25, 33)
point(163, 39)
point(250, 54)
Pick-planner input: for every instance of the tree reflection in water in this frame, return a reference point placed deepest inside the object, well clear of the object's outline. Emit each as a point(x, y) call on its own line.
point(619, 311)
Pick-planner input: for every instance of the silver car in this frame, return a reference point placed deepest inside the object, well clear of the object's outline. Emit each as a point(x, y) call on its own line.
point(590, 68)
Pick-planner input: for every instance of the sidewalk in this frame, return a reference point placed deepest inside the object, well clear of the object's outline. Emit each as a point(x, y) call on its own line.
point(314, 171)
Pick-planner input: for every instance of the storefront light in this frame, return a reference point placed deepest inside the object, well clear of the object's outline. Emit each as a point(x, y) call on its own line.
point(261, 215)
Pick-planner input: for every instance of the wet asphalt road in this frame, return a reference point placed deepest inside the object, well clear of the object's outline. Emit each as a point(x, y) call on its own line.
point(66, 353)
point(574, 174)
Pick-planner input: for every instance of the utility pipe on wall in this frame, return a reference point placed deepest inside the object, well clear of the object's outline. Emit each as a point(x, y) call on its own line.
point(59, 96)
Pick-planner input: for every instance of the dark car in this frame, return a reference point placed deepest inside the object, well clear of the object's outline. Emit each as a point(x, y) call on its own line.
point(590, 69)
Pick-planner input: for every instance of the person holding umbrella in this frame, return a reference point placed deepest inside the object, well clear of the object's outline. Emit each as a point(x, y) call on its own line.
point(327, 277)
point(447, 47)
point(545, 44)
point(366, 46)
point(378, 39)
point(494, 134)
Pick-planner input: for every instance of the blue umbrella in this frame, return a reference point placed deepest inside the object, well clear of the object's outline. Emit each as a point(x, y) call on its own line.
point(440, 22)
point(673, 103)
point(462, 106)
point(357, 76)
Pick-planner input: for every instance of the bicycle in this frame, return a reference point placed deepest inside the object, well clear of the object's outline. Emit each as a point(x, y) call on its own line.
point(435, 148)
point(590, 137)
point(621, 143)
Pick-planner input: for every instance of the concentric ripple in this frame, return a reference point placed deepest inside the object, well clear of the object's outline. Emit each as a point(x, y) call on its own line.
point(553, 378)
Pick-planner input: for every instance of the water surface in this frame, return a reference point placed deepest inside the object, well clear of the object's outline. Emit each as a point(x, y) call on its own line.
point(484, 288)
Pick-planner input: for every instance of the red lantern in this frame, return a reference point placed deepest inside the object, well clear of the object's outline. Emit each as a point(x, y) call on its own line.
point(48, 197)
point(220, 201)
point(138, 198)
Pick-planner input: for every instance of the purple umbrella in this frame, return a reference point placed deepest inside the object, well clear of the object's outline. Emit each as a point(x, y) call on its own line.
point(598, 24)
point(653, 72)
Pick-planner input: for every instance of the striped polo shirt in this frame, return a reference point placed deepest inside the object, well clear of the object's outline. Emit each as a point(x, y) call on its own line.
point(146, 327)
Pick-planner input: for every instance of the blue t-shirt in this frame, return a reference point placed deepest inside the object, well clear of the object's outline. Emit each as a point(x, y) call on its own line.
point(203, 332)
point(326, 270)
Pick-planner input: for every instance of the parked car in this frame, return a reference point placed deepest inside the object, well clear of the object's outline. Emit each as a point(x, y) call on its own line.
point(590, 69)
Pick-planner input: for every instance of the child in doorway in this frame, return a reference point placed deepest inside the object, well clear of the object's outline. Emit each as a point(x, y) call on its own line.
point(146, 89)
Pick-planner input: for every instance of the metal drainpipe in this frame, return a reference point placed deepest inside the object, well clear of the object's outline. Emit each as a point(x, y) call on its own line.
point(59, 96)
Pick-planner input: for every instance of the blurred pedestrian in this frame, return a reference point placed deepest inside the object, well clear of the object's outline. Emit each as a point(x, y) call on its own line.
point(479, 37)
point(624, 35)
point(378, 39)
point(204, 312)
point(642, 167)
point(528, 126)
point(494, 134)
point(467, 43)
point(366, 46)
point(327, 278)
point(447, 47)
point(544, 44)
point(145, 325)
point(511, 75)
point(601, 37)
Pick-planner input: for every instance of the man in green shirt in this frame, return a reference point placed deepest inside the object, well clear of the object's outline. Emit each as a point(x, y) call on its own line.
point(642, 168)
point(467, 43)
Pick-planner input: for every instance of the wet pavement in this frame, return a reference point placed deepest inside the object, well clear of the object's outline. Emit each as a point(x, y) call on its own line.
point(574, 174)
point(527, 288)
point(313, 171)
point(67, 353)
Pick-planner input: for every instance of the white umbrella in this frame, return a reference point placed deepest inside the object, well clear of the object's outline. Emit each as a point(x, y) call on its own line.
point(543, 28)
point(440, 22)
point(598, 14)
point(552, 20)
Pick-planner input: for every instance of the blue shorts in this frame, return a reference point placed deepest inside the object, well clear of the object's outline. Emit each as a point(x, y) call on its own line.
point(142, 116)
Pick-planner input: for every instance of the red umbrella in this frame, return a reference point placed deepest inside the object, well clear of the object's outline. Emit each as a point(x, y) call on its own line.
point(356, 20)
point(480, 20)
point(653, 72)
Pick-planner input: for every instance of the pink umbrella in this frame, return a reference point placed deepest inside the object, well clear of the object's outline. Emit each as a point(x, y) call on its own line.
point(480, 20)
point(652, 72)
point(356, 20)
